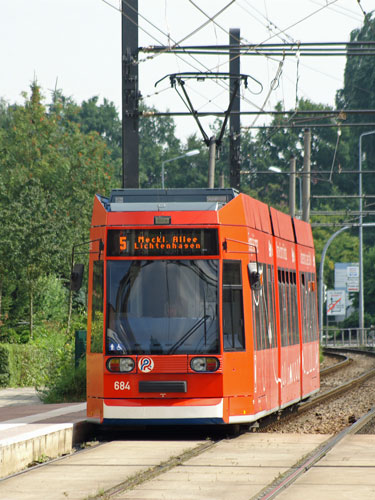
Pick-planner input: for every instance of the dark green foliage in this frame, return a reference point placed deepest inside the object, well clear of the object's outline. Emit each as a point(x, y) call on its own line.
point(54, 158)
point(69, 385)
point(28, 365)
point(46, 366)
point(50, 171)
point(4, 366)
point(24, 365)
point(4, 359)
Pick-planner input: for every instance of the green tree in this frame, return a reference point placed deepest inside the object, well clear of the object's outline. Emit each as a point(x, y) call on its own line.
point(49, 173)
point(91, 116)
point(158, 142)
point(358, 93)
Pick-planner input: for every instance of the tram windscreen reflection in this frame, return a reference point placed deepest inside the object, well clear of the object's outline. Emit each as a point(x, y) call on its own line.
point(162, 307)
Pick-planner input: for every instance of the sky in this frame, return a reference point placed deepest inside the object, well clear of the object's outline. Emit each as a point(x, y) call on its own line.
point(75, 46)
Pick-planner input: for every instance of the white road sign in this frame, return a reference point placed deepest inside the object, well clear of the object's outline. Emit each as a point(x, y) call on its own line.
point(336, 302)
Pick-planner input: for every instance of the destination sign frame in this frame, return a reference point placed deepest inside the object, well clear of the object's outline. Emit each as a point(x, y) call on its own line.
point(174, 242)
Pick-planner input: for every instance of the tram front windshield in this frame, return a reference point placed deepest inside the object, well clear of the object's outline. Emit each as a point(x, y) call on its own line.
point(162, 307)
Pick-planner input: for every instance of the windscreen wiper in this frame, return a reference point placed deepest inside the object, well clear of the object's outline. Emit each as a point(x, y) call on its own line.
point(188, 334)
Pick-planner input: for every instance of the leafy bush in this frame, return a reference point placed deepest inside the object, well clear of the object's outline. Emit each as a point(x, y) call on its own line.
point(52, 299)
point(4, 379)
point(61, 382)
point(46, 362)
point(4, 366)
point(69, 384)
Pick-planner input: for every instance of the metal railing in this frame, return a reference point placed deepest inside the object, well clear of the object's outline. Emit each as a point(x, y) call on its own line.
point(348, 337)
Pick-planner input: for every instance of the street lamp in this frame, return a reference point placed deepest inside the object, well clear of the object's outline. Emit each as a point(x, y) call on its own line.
point(275, 169)
point(361, 293)
point(292, 174)
point(188, 153)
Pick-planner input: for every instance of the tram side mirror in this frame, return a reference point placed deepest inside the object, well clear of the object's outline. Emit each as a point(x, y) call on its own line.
point(255, 276)
point(76, 277)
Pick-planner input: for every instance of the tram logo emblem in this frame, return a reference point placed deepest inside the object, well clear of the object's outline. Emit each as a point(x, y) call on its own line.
point(145, 364)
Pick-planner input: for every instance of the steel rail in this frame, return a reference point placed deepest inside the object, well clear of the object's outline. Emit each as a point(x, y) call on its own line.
point(153, 472)
point(341, 364)
point(293, 474)
point(295, 410)
point(347, 386)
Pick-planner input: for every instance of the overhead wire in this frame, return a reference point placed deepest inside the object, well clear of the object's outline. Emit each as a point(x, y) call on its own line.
point(231, 58)
point(302, 20)
point(270, 24)
point(132, 20)
point(212, 19)
point(269, 135)
point(360, 6)
point(339, 9)
point(166, 35)
point(335, 153)
point(192, 89)
point(273, 86)
point(275, 81)
point(166, 23)
point(279, 32)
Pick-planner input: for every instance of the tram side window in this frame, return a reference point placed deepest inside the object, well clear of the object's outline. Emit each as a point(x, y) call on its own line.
point(313, 327)
point(263, 311)
point(283, 307)
point(314, 318)
point(258, 315)
point(294, 307)
point(288, 295)
point(271, 304)
point(304, 302)
point(233, 323)
point(97, 308)
point(309, 311)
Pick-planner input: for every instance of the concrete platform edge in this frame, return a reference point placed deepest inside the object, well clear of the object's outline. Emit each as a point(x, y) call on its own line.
point(48, 442)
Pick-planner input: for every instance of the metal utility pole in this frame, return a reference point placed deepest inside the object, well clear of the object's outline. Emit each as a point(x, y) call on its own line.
point(211, 164)
point(234, 123)
point(130, 95)
point(361, 275)
point(321, 278)
point(306, 175)
point(292, 187)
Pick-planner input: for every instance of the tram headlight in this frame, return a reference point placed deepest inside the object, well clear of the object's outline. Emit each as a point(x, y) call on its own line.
point(204, 364)
point(120, 365)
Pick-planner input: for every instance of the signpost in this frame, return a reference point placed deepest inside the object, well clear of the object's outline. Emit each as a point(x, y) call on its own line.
point(336, 302)
point(347, 276)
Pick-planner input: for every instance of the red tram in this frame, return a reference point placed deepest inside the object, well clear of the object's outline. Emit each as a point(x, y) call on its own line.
point(202, 308)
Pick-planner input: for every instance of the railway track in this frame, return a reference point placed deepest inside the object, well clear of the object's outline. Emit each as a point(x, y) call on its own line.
point(276, 422)
point(198, 449)
point(347, 386)
point(308, 462)
point(344, 361)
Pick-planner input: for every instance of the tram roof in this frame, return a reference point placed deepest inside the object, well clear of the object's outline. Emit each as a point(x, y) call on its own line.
point(132, 200)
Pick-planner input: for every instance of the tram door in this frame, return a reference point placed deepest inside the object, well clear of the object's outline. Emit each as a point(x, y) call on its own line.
point(95, 341)
point(265, 343)
point(236, 360)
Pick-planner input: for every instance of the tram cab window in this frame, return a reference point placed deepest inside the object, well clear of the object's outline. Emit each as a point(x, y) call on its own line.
point(233, 322)
point(96, 344)
point(162, 307)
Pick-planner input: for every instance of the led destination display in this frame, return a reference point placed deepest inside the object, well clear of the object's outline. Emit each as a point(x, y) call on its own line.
point(161, 242)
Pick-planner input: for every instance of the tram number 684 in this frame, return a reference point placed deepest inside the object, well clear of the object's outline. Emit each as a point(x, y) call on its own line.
point(121, 386)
